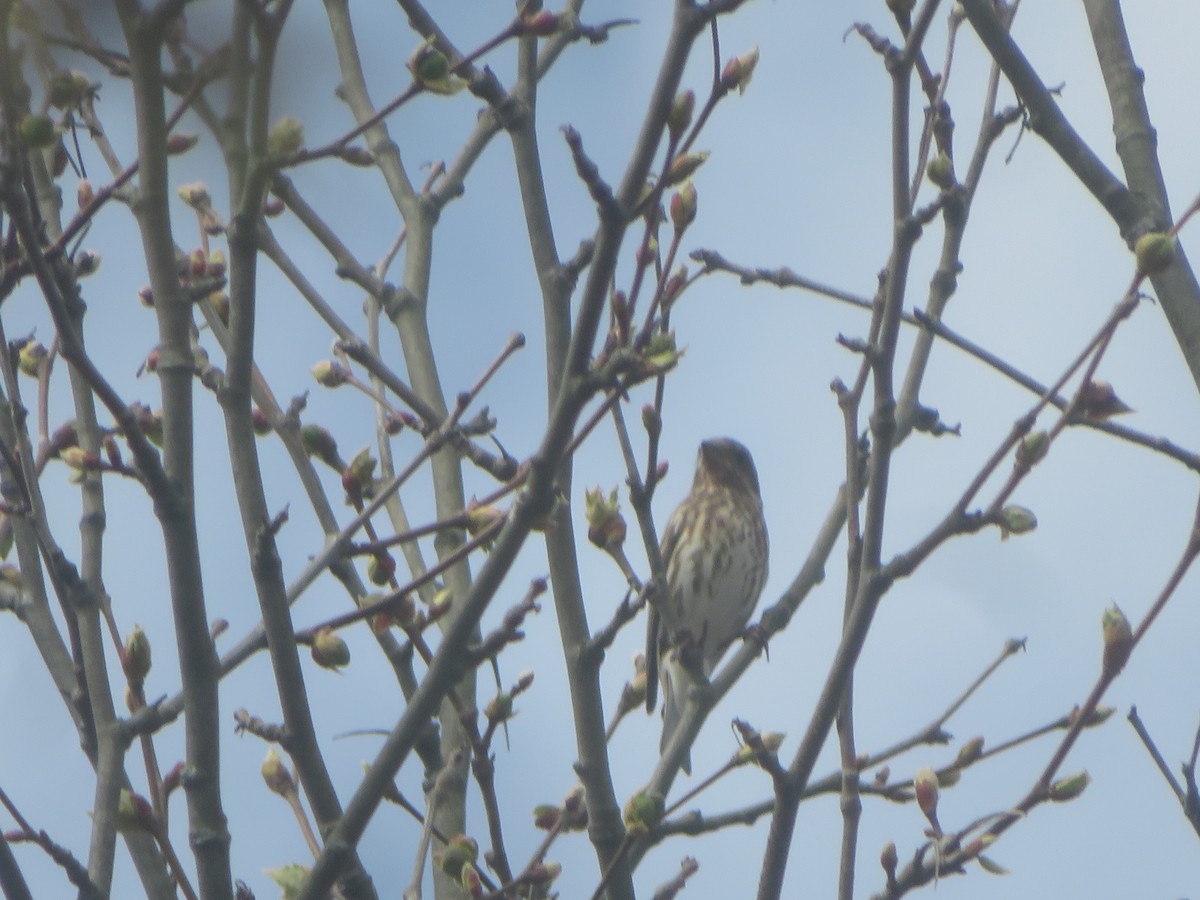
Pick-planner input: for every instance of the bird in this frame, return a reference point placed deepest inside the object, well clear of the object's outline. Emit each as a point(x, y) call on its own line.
point(714, 554)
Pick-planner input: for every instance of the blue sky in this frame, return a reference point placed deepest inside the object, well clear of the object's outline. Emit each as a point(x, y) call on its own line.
point(798, 176)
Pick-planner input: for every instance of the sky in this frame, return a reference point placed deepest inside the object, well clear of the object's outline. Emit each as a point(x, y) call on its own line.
point(798, 176)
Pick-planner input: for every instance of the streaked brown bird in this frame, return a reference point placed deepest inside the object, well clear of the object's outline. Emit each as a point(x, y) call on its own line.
point(714, 552)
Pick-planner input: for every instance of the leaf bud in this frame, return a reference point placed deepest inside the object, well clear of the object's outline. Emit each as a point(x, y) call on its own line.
point(291, 878)
point(651, 420)
point(358, 478)
point(685, 165)
point(1016, 520)
point(643, 812)
point(481, 516)
point(181, 143)
point(459, 852)
point(135, 656)
point(329, 651)
point(925, 786)
point(86, 263)
point(67, 90)
point(38, 131)
point(888, 859)
point(318, 442)
point(661, 353)
point(500, 707)
point(606, 525)
point(679, 117)
point(683, 206)
point(380, 568)
point(360, 157)
point(79, 459)
point(1118, 639)
point(195, 195)
point(1098, 401)
point(737, 71)
point(1154, 251)
point(941, 171)
point(30, 356)
point(471, 883)
point(285, 138)
point(330, 373)
point(1033, 448)
point(134, 813)
point(276, 775)
point(260, 422)
point(969, 752)
point(1070, 787)
point(541, 24)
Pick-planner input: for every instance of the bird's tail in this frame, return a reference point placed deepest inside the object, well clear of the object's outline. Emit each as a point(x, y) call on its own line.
point(676, 682)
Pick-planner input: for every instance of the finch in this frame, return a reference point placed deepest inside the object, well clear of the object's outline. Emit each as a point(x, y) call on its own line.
point(714, 553)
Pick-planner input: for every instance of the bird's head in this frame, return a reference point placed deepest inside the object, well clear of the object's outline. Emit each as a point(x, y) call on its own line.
point(725, 462)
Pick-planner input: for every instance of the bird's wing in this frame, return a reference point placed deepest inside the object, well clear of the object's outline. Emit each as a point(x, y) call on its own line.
point(654, 626)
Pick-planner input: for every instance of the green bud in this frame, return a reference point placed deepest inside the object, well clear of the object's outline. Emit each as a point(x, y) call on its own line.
point(276, 776)
point(941, 171)
point(359, 157)
point(68, 89)
point(685, 165)
point(380, 568)
point(543, 873)
point(1016, 520)
point(661, 355)
point(1070, 787)
point(643, 812)
point(318, 442)
point(330, 373)
point(195, 194)
point(1154, 251)
point(459, 852)
point(606, 525)
point(989, 865)
point(737, 71)
point(291, 878)
point(38, 131)
point(969, 752)
point(1118, 639)
point(482, 516)
point(329, 651)
point(134, 813)
point(431, 64)
point(500, 707)
point(30, 356)
point(1033, 448)
point(546, 816)
point(431, 69)
point(136, 656)
point(358, 478)
point(683, 206)
point(471, 883)
point(680, 115)
point(286, 138)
